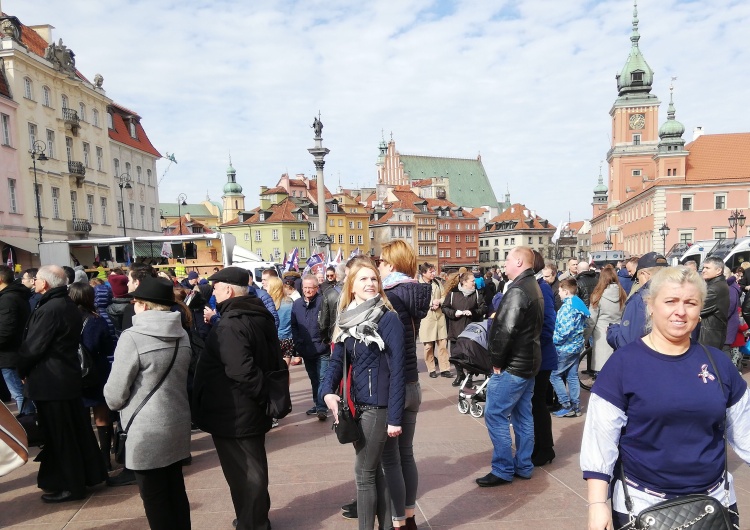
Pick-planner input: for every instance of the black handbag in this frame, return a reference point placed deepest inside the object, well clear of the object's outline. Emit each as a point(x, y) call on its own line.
point(89, 373)
point(121, 435)
point(686, 512)
point(348, 430)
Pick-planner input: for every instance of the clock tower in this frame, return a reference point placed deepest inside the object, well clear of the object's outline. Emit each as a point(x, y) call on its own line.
point(635, 126)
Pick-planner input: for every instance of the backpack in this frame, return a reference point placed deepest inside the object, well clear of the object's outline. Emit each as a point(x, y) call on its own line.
point(89, 373)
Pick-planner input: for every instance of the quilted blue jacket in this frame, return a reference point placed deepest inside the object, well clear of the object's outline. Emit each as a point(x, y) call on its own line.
point(377, 376)
point(411, 300)
point(571, 325)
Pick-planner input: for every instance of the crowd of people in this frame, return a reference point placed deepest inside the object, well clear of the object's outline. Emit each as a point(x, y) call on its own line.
point(175, 354)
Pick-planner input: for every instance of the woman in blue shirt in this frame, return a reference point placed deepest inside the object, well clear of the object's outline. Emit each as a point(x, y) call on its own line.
point(657, 409)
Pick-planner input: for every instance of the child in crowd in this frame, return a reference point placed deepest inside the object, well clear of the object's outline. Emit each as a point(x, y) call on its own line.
point(569, 342)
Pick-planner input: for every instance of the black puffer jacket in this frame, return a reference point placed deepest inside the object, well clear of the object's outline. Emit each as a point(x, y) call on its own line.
point(229, 398)
point(456, 301)
point(713, 326)
point(515, 336)
point(48, 357)
point(587, 281)
point(411, 300)
point(14, 312)
point(115, 310)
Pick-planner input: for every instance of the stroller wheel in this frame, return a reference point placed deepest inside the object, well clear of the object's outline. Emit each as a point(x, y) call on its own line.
point(463, 406)
point(477, 410)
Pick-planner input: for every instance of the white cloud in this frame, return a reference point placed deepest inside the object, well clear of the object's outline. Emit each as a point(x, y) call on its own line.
point(528, 84)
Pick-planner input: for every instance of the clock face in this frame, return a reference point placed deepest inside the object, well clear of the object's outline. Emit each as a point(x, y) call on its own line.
point(637, 121)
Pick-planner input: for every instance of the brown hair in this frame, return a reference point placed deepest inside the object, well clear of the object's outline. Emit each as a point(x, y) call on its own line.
point(401, 256)
point(570, 285)
point(607, 277)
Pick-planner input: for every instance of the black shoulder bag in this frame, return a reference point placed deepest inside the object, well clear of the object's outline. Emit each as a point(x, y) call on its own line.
point(686, 512)
point(348, 429)
point(121, 436)
point(89, 373)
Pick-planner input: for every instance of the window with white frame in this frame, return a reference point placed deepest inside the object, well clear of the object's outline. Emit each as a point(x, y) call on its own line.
point(148, 177)
point(81, 111)
point(720, 234)
point(458, 239)
point(32, 136)
point(293, 235)
point(131, 127)
point(447, 253)
point(341, 222)
point(153, 220)
point(131, 208)
point(103, 208)
point(46, 101)
point(359, 225)
point(90, 205)
point(119, 214)
point(138, 175)
point(28, 88)
point(636, 139)
point(257, 235)
point(69, 148)
point(313, 227)
point(341, 239)
point(372, 234)
point(458, 252)
point(74, 204)
point(12, 196)
point(351, 240)
point(86, 154)
point(351, 225)
point(686, 238)
point(110, 121)
point(303, 252)
point(117, 167)
point(301, 234)
point(275, 234)
point(247, 236)
point(55, 203)
point(127, 168)
point(50, 143)
point(408, 232)
point(720, 201)
point(360, 240)
point(5, 119)
point(143, 218)
point(64, 100)
point(99, 158)
point(95, 117)
point(687, 203)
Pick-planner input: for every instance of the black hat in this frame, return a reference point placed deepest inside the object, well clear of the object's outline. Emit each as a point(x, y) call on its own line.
point(232, 276)
point(651, 259)
point(156, 290)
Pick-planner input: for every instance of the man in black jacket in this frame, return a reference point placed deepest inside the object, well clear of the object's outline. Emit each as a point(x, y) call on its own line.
point(516, 354)
point(229, 397)
point(587, 280)
point(14, 312)
point(48, 360)
point(713, 324)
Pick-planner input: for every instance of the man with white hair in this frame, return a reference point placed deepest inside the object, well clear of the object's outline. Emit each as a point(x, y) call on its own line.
point(229, 396)
point(48, 360)
point(587, 280)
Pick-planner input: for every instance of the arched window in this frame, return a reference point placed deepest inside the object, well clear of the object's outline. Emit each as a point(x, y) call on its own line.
point(127, 168)
point(64, 101)
point(236, 205)
point(46, 101)
point(95, 114)
point(28, 89)
point(117, 168)
point(82, 111)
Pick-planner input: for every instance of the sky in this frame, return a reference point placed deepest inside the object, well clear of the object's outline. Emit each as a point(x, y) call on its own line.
point(528, 84)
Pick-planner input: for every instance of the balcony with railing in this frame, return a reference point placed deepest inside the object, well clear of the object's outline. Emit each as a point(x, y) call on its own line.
point(70, 117)
point(79, 226)
point(78, 170)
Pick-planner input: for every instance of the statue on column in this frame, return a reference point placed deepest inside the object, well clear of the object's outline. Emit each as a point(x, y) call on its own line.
point(317, 126)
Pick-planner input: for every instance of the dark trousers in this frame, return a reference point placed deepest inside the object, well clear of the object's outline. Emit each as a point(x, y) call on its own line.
point(542, 420)
point(164, 499)
point(244, 463)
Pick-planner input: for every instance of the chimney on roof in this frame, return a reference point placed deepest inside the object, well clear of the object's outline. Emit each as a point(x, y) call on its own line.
point(526, 214)
point(187, 217)
point(44, 31)
point(697, 132)
point(263, 189)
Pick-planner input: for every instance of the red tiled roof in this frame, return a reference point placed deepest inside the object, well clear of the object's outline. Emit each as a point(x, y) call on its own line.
point(433, 203)
point(282, 212)
point(718, 157)
point(35, 42)
point(575, 225)
point(186, 230)
point(515, 213)
point(121, 134)
point(4, 87)
point(420, 183)
point(277, 189)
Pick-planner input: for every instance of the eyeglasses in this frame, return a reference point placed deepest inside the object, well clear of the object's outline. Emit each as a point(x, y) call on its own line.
point(330, 276)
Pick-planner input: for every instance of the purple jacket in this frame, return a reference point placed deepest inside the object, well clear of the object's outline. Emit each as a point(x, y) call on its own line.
point(733, 317)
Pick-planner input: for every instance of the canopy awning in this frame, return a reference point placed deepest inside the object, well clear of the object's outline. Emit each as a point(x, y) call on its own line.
point(23, 243)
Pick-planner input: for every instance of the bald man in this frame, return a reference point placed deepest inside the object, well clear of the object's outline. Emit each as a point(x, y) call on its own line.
point(516, 354)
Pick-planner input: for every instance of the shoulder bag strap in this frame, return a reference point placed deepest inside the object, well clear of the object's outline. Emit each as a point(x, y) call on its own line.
point(629, 501)
point(345, 397)
point(169, 368)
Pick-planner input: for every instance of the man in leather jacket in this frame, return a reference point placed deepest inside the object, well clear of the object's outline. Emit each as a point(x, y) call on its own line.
point(713, 325)
point(515, 351)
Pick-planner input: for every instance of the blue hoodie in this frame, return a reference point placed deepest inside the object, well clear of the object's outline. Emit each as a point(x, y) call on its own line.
point(625, 280)
point(570, 325)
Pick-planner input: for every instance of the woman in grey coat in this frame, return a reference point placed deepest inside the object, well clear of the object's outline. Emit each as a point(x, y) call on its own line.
point(607, 302)
point(159, 437)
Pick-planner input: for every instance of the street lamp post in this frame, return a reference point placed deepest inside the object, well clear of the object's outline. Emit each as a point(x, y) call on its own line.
point(580, 254)
point(123, 182)
point(664, 231)
point(37, 153)
point(608, 245)
point(181, 201)
point(736, 220)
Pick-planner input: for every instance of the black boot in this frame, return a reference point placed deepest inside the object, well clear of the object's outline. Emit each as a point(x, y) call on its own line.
point(459, 377)
point(105, 442)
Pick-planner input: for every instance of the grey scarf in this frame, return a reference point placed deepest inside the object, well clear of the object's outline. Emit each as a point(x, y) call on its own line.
point(361, 322)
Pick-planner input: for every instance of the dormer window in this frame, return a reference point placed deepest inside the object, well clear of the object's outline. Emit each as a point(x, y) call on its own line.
point(131, 127)
point(300, 217)
point(460, 213)
point(636, 77)
point(110, 121)
point(262, 216)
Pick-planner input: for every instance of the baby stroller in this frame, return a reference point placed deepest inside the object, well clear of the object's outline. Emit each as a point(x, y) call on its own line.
point(470, 354)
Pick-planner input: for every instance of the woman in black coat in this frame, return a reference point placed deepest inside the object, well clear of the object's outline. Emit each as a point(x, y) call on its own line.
point(462, 305)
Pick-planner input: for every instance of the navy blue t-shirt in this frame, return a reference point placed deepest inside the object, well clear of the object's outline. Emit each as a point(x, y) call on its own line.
point(673, 440)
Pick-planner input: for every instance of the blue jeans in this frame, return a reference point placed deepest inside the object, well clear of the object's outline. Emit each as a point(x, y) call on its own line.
point(15, 387)
point(316, 369)
point(509, 401)
point(567, 367)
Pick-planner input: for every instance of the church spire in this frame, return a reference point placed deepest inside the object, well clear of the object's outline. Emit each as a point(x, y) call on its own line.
point(636, 76)
point(635, 36)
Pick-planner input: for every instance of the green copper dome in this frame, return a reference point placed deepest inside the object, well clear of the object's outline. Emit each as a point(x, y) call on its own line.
point(231, 187)
point(671, 128)
point(636, 76)
point(600, 188)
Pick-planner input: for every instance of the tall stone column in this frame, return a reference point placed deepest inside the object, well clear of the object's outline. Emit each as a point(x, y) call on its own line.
point(319, 152)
